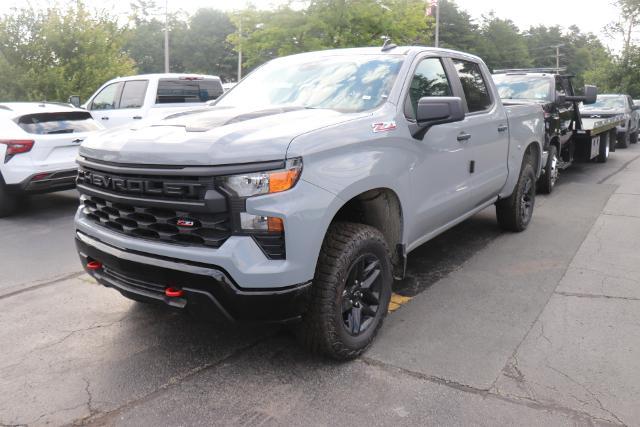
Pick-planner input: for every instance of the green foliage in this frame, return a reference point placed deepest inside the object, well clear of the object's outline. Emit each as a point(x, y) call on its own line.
point(51, 54)
point(328, 24)
point(457, 29)
point(502, 45)
point(197, 43)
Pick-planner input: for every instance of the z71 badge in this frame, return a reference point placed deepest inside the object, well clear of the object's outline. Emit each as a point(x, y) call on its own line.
point(383, 126)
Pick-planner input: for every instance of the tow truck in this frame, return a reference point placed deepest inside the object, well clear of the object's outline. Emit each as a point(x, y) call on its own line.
point(569, 137)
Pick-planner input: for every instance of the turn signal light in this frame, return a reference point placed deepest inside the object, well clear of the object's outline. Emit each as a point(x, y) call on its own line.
point(274, 224)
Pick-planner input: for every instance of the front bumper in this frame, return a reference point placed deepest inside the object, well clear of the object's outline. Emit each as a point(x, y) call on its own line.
point(208, 290)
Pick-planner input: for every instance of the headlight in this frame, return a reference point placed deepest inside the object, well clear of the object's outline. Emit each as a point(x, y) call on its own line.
point(257, 183)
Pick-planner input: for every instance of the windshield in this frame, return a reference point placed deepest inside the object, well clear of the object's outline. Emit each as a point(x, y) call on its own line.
point(523, 87)
point(343, 83)
point(607, 103)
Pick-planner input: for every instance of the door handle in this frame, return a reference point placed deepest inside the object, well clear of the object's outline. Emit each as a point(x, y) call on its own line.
point(137, 117)
point(464, 137)
point(502, 128)
point(105, 118)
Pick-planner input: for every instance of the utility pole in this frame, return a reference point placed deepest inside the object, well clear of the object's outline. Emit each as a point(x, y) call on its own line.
point(558, 55)
point(166, 36)
point(437, 3)
point(240, 50)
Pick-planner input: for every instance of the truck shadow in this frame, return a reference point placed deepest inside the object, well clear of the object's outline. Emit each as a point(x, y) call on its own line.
point(426, 265)
point(446, 253)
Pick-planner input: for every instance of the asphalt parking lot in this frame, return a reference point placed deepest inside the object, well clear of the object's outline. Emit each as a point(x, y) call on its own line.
point(537, 328)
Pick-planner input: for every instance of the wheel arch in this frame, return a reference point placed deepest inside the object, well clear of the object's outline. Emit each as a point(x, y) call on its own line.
point(534, 153)
point(380, 208)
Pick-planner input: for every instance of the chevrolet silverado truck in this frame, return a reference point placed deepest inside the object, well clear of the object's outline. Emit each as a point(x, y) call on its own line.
point(567, 138)
point(620, 106)
point(298, 195)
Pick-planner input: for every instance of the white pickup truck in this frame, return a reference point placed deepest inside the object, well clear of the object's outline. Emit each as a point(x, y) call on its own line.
point(129, 99)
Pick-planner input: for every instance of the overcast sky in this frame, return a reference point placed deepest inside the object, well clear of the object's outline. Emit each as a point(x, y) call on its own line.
point(524, 13)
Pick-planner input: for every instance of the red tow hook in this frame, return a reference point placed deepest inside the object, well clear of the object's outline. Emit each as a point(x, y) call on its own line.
point(173, 292)
point(94, 265)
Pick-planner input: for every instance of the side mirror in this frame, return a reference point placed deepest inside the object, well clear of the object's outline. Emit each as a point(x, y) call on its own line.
point(437, 110)
point(590, 94)
point(74, 100)
point(589, 97)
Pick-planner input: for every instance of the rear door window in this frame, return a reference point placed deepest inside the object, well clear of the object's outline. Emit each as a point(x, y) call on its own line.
point(475, 88)
point(429, 79)
point(107, 99)
point(56, 123)
point(133, 94)
point(178, 91)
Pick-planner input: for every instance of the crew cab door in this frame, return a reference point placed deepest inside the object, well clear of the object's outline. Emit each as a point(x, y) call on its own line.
point(120, 103)
point(486, 130)
point(438, 190)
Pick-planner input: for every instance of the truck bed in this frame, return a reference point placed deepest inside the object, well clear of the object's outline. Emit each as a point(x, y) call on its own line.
point(595, 126)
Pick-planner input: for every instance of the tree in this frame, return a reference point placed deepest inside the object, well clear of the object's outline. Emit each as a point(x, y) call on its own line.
point(204, 47)
point(502, 45)
point(51, 54)
point(328, 24)
point(457, 29)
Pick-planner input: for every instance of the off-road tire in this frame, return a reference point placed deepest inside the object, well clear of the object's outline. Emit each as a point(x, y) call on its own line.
point(623, 142)
point(613, 141)
point(603, 153)
point(8, 201)
point(322, 329)
point(548, 179)
point(510, 211)
point(634, 137)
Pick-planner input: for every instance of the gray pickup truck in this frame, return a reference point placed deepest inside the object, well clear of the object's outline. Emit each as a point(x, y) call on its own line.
point(297, 196)
point(616, 105)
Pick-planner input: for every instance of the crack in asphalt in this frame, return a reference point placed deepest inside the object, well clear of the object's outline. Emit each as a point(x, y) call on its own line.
point(589, 392)
point(623, 167)
point(621, 215)
point(529, 402)
point(92, 411)
point(41, 285)
point(102, 418)
point(595, 296)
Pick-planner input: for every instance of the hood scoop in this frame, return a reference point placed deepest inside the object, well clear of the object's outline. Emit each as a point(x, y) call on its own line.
point(203, 120)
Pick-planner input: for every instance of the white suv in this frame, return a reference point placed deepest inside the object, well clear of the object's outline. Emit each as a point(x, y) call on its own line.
point(38, 148)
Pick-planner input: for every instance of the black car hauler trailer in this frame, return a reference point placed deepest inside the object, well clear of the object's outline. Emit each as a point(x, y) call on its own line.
point(596, 138)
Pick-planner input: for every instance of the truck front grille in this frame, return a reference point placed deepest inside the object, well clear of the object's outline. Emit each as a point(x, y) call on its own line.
point(166, 225)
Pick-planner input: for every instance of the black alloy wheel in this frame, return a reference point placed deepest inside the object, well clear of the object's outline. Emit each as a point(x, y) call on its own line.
point(527, 200)
point(361, 296)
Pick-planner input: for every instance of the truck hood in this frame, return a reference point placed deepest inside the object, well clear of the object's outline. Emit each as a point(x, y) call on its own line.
point(609, 112)
point(212, 136)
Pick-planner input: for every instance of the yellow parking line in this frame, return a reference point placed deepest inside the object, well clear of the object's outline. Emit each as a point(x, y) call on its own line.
point(397, 301)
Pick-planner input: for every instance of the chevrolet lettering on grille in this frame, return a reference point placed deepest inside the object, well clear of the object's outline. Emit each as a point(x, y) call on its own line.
point(140, 186)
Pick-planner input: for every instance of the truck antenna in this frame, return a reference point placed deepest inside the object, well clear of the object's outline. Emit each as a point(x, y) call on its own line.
point(387, 45)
